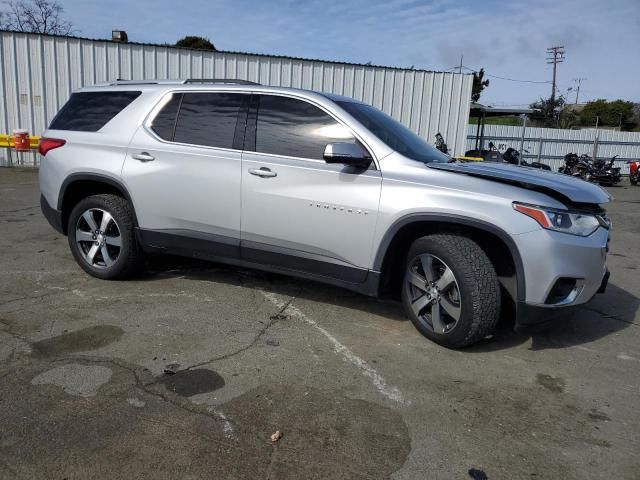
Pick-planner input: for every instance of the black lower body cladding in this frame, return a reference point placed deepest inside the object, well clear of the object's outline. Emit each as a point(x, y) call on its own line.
point(53, 216)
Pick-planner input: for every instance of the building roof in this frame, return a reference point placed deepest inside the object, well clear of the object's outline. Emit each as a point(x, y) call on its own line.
point(231, 52)
point(478, 110)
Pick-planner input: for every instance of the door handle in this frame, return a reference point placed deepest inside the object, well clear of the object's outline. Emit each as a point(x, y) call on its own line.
point(262, 172)
point(143, 157)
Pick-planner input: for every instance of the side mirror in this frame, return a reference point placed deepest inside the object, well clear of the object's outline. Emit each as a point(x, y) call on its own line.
point(347, 154)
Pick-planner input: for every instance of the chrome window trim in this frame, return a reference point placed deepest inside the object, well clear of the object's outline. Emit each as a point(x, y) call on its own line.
point(311, 163)
point(190, 145)
point(165, 97)
point(163, 100)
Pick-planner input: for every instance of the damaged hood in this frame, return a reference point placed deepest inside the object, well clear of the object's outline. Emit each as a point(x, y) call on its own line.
point(557, 185)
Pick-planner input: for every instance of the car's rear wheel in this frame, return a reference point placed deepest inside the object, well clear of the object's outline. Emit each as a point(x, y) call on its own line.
point(450, 290)
point(102, 237)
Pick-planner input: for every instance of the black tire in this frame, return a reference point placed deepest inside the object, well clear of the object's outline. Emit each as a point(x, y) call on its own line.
point(478, 297)
point(129, 260)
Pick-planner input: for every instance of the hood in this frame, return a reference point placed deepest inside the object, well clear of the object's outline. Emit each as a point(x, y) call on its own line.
point(557, 185)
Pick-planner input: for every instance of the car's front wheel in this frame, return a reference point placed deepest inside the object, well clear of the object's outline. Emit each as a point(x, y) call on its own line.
point(102, 237)
point(450, 290)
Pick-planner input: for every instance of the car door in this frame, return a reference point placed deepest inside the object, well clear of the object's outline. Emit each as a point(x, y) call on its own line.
point(183, 172)
point(299, 212)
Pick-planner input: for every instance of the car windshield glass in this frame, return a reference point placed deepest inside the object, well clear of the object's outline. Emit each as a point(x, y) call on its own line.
point(393, 133)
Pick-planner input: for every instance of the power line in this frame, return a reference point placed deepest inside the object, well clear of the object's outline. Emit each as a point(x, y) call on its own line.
point(506, 78)
point(516, 80)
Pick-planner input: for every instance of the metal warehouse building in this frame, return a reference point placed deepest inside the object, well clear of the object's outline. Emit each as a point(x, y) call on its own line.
point(39, 72)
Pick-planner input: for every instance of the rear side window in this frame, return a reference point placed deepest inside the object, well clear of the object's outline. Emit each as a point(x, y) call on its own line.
point(209, 119)
point(165, 122)
point(295, 128)
point(90, 111)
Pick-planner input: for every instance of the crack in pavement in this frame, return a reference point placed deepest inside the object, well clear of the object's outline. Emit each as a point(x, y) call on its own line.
point(273, 319)
point(153, 388)
point(19, 209)
point(610, 316)
point(16, 336)
point(28, 298)
point(378, 381)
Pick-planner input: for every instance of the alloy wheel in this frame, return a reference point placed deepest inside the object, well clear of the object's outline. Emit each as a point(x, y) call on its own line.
point(98, 238)
point(434, 293)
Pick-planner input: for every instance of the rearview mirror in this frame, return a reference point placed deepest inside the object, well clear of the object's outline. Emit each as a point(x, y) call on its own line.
point(347, 154)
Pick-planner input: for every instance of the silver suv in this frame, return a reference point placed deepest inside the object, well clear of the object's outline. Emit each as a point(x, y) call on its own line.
point(320, 187)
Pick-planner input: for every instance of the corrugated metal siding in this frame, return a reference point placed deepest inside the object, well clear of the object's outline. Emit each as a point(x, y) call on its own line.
point(556, 143)
point(38, 73)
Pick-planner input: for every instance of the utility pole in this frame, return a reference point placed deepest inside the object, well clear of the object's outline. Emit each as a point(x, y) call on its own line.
point(556, 56)
point(460, 68)
point(578, 81)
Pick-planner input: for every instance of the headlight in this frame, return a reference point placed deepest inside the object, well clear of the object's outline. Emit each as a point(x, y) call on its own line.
point(575, 223)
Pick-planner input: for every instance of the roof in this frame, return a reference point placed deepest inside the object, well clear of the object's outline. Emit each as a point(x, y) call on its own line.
point(226, 85)
point(230, 52)
point(478, 109)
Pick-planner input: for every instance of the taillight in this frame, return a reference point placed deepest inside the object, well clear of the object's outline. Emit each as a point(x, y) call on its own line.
point(47, 144)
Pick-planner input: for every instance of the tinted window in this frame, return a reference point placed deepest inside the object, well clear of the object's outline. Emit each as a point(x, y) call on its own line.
point(393, 133)
point(209, 118)
point(165, 122)
point(90, 111)
point(295, 128)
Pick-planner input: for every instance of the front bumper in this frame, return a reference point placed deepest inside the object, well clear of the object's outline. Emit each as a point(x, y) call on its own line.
point(53, 216)
point(534, 318)
point(549, 257)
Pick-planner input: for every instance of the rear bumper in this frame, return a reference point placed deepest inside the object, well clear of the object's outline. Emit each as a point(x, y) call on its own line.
point(533, 318)
point(53, 216)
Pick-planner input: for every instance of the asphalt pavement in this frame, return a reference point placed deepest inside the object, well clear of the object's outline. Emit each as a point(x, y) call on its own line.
point(189, 371)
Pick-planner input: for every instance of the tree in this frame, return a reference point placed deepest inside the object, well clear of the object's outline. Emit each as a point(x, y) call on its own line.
point(35, 16)
point(568, 119)
point(547, 112)
point(612, 114)
point(197, 43)
point(479, 84)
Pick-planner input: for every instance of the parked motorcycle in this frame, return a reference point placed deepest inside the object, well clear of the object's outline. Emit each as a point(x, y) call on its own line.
point(512, 156)
point(597, 171)
point(577, 166)
point(634, 166)
point(441, 144)
point(604, 172)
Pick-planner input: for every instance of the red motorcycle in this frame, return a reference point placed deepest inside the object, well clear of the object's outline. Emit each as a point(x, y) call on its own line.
point(634, 166)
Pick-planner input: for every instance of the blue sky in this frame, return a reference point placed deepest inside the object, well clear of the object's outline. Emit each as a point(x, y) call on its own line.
point(508, 38)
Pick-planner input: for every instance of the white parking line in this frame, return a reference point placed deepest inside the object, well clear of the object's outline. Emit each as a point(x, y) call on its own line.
point(227, 426)
point(390, 392)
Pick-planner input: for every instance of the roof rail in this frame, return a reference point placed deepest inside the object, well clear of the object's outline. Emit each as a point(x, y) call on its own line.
point(120, 81)
point(220, 80)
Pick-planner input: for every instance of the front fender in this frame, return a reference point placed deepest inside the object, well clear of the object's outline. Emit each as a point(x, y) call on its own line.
point(453, 220)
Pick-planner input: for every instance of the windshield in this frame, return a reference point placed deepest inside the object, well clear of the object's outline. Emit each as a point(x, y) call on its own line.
point(393, 133)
